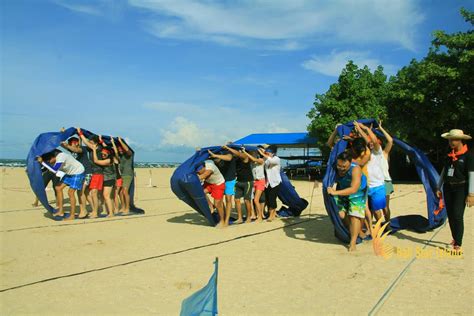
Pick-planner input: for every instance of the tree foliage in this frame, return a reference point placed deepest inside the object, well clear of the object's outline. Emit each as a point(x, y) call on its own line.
point(357, 94)
point(424, 99)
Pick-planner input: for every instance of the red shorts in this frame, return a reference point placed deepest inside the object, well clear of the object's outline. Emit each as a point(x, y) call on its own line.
point(119, 183)
point(97, 182)
point(216, 190)
point(259, 185)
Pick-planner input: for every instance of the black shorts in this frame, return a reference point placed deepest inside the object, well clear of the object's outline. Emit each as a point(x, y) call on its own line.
point(48, 176)
point(109, 183)
point(271, 196)
point(243, 190)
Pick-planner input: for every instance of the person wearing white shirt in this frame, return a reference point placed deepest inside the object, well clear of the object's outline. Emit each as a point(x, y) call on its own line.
point(71, 173)
point(272, 168)
point(376, 178)
point(214, 184)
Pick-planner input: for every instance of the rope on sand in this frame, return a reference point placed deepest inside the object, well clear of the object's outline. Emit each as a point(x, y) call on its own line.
point(397, 280)
point(151, 258)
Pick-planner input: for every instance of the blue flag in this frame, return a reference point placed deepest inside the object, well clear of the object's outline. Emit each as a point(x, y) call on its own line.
point(204, 301)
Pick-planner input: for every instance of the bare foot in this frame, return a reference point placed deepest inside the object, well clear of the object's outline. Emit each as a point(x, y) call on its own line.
point(221, 225)
point(238, 221)
point(258, 220)
point(34, 204)
point(248, 220)
point(69, 218)
point(93, 215)
point(351, 248)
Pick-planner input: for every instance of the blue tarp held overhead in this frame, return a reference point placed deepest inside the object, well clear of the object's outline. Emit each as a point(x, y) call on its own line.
point(187, 186)
point(427, 173)
point(279, 139)
point(47, 142)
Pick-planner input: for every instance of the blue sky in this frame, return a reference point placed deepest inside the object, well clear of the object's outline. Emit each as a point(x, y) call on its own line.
point(170, 76)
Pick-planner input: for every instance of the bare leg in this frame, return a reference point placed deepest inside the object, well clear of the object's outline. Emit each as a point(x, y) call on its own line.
point(211, 206)
point(250, 212)
point(81, 195)
point(108, 201)
point(238, 207)
point(354, 229)
point(126, 196)
point(94, 193)
point(256, 200)
point(228, 208)
point(386, 210)
point(220, 210)
point(60, 199)
point(72, 202)
point(35, 203)
point(378, 215)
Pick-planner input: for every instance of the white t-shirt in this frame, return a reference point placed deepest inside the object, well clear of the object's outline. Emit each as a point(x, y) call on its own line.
point(70, 166)
point(216, 177)
point(272, 165)
point(257, 171)
point(375, 169)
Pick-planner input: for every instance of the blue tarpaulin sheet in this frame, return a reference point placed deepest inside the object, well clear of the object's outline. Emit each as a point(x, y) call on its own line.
point(46, 143)
point(187, 187)
point(427, 173)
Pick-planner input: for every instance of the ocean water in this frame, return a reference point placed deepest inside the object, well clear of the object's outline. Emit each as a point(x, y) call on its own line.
point(21, 163)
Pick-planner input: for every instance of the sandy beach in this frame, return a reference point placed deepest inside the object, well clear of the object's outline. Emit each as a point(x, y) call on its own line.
point(147, 264)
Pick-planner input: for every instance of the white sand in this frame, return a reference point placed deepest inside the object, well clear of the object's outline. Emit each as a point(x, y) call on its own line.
point(149, 264)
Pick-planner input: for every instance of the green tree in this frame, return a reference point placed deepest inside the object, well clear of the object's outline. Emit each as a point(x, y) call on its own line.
point(357, 94)
point(433, 95)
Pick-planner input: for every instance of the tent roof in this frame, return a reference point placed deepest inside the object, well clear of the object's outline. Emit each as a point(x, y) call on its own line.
point(279, 139)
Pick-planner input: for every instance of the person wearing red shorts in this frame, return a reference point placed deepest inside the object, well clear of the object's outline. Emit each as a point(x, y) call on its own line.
point(97, 180)
point(214, 184)
point(258, 172)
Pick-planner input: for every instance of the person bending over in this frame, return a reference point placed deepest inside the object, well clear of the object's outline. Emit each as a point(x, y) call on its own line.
point(214, 184)
point(71, 173)
point(350, 195)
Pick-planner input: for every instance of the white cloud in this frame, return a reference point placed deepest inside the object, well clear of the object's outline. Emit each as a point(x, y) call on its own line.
point(78, 7)
point(284, 25)
point(333, 63)
point(183, 132)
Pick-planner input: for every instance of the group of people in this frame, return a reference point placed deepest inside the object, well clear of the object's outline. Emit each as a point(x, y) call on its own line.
point(233, 175)
point(100, 174)
point(363, 184)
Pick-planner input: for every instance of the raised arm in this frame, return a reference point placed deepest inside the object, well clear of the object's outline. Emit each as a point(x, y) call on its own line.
point(97, 161)
point(226, 157)
point(125, 147)
point(115, 148)
point(371, 136)
point(359, 130)
point(84, 139)
point(259, 161)
point(235, 152)
point(332, 139)
point(71, 148)
point(389, 145)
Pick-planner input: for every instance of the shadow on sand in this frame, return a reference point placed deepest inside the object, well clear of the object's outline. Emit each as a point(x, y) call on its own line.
point(435, 244)
point(317, 228)
point(192, 218)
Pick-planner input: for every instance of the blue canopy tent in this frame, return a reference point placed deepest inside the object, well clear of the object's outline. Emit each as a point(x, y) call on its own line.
point(187, 187)
point(47, 142)
point(427, 173)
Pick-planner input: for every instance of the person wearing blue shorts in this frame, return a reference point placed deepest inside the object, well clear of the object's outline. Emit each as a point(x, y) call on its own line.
point(226, 164)
point(71, 173)
point(376, 178)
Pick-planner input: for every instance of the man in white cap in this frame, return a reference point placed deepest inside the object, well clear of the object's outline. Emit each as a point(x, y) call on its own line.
point(457, 179)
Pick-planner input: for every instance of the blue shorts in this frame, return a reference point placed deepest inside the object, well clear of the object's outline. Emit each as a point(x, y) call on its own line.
point(230, 187)
point(75, 181)
point(377, 200)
